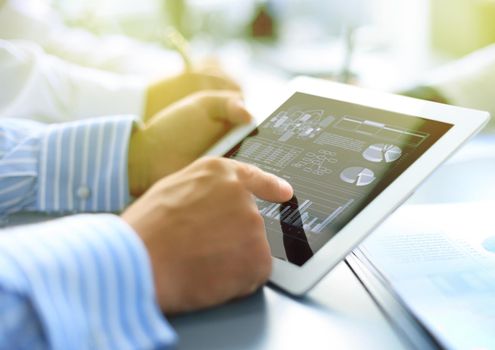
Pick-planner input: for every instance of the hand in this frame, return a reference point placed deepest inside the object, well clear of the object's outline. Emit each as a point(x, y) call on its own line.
point(204, 234)
point(164, 92)
point(180, 134)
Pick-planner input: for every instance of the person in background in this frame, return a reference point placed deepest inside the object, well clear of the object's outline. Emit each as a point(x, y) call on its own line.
point(54, 73)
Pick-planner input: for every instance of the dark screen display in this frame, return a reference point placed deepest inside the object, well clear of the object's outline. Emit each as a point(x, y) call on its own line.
point(338, 157)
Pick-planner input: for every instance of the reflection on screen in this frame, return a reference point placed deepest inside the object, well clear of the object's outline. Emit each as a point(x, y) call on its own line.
point(338, 157)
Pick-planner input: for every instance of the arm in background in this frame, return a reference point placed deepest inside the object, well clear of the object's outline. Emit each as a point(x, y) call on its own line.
point(46, 88)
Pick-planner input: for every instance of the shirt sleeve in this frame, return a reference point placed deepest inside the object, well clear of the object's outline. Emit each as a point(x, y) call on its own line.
point(42, 87)
point(81, 282)
point(37, 22)
point(64, 168)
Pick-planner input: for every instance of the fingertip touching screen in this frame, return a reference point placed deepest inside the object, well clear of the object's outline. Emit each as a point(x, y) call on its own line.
point(338, 156)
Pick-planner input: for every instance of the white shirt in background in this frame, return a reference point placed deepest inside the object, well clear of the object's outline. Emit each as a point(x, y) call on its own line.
point(52, 73)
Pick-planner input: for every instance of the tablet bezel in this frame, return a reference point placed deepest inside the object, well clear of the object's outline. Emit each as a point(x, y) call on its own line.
point(466, 123)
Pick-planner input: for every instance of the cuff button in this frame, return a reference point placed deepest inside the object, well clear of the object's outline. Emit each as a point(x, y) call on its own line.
point(83, 192)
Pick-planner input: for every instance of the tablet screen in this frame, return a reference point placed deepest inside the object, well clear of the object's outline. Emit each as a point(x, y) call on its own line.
point(338, 157)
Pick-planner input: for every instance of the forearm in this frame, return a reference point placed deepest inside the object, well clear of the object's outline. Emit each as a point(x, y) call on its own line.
point(64, 168)
point(79, 281)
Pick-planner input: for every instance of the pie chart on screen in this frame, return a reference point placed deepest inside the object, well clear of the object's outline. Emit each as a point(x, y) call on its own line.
point(381, 152)
point(489, 244)
point(358, 176)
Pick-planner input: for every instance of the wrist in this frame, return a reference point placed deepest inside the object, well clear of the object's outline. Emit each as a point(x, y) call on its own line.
point(137, 165)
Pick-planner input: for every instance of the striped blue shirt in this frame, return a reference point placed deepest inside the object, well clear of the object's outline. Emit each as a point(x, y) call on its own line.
point(83, 281)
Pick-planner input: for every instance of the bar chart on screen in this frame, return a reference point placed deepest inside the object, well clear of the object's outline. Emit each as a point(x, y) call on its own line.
point(268, 152)
point(317, 206)
point(302, 216)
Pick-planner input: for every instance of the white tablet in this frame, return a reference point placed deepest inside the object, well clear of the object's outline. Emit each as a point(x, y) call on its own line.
point(352, 156)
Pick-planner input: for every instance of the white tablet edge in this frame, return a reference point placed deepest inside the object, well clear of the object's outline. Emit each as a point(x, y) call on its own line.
point(467, 122)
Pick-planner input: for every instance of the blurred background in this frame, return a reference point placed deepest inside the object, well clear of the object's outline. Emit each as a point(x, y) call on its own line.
point(353, 39)
point(379, 40)
point(393, 45)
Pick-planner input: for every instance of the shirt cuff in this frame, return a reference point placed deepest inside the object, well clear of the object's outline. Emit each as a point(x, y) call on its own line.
point(89, 280)
point(83, 166)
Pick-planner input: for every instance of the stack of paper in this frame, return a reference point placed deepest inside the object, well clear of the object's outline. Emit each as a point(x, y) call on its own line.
point(440, 261)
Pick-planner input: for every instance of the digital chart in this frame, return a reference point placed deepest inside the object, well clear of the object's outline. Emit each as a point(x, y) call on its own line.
point(358, 176)
point(299, 123)
point(381, 152)
point(302, 216)
point(317, 163)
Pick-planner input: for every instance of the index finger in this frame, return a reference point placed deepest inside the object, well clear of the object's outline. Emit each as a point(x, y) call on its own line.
point(264, 185)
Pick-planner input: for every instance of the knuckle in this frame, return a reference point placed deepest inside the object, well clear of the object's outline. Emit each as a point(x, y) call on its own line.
point(222, 172)
point(265, 263)
point(246, 171)
point(265, 269)
point(255, 220)
point(255, 254)
point(253, 227)
point(215, 164)
point(235, 189)
point(262, 264)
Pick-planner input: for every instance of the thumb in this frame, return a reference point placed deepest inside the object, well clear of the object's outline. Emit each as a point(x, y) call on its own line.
point(224, 106)
point(264, 185)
